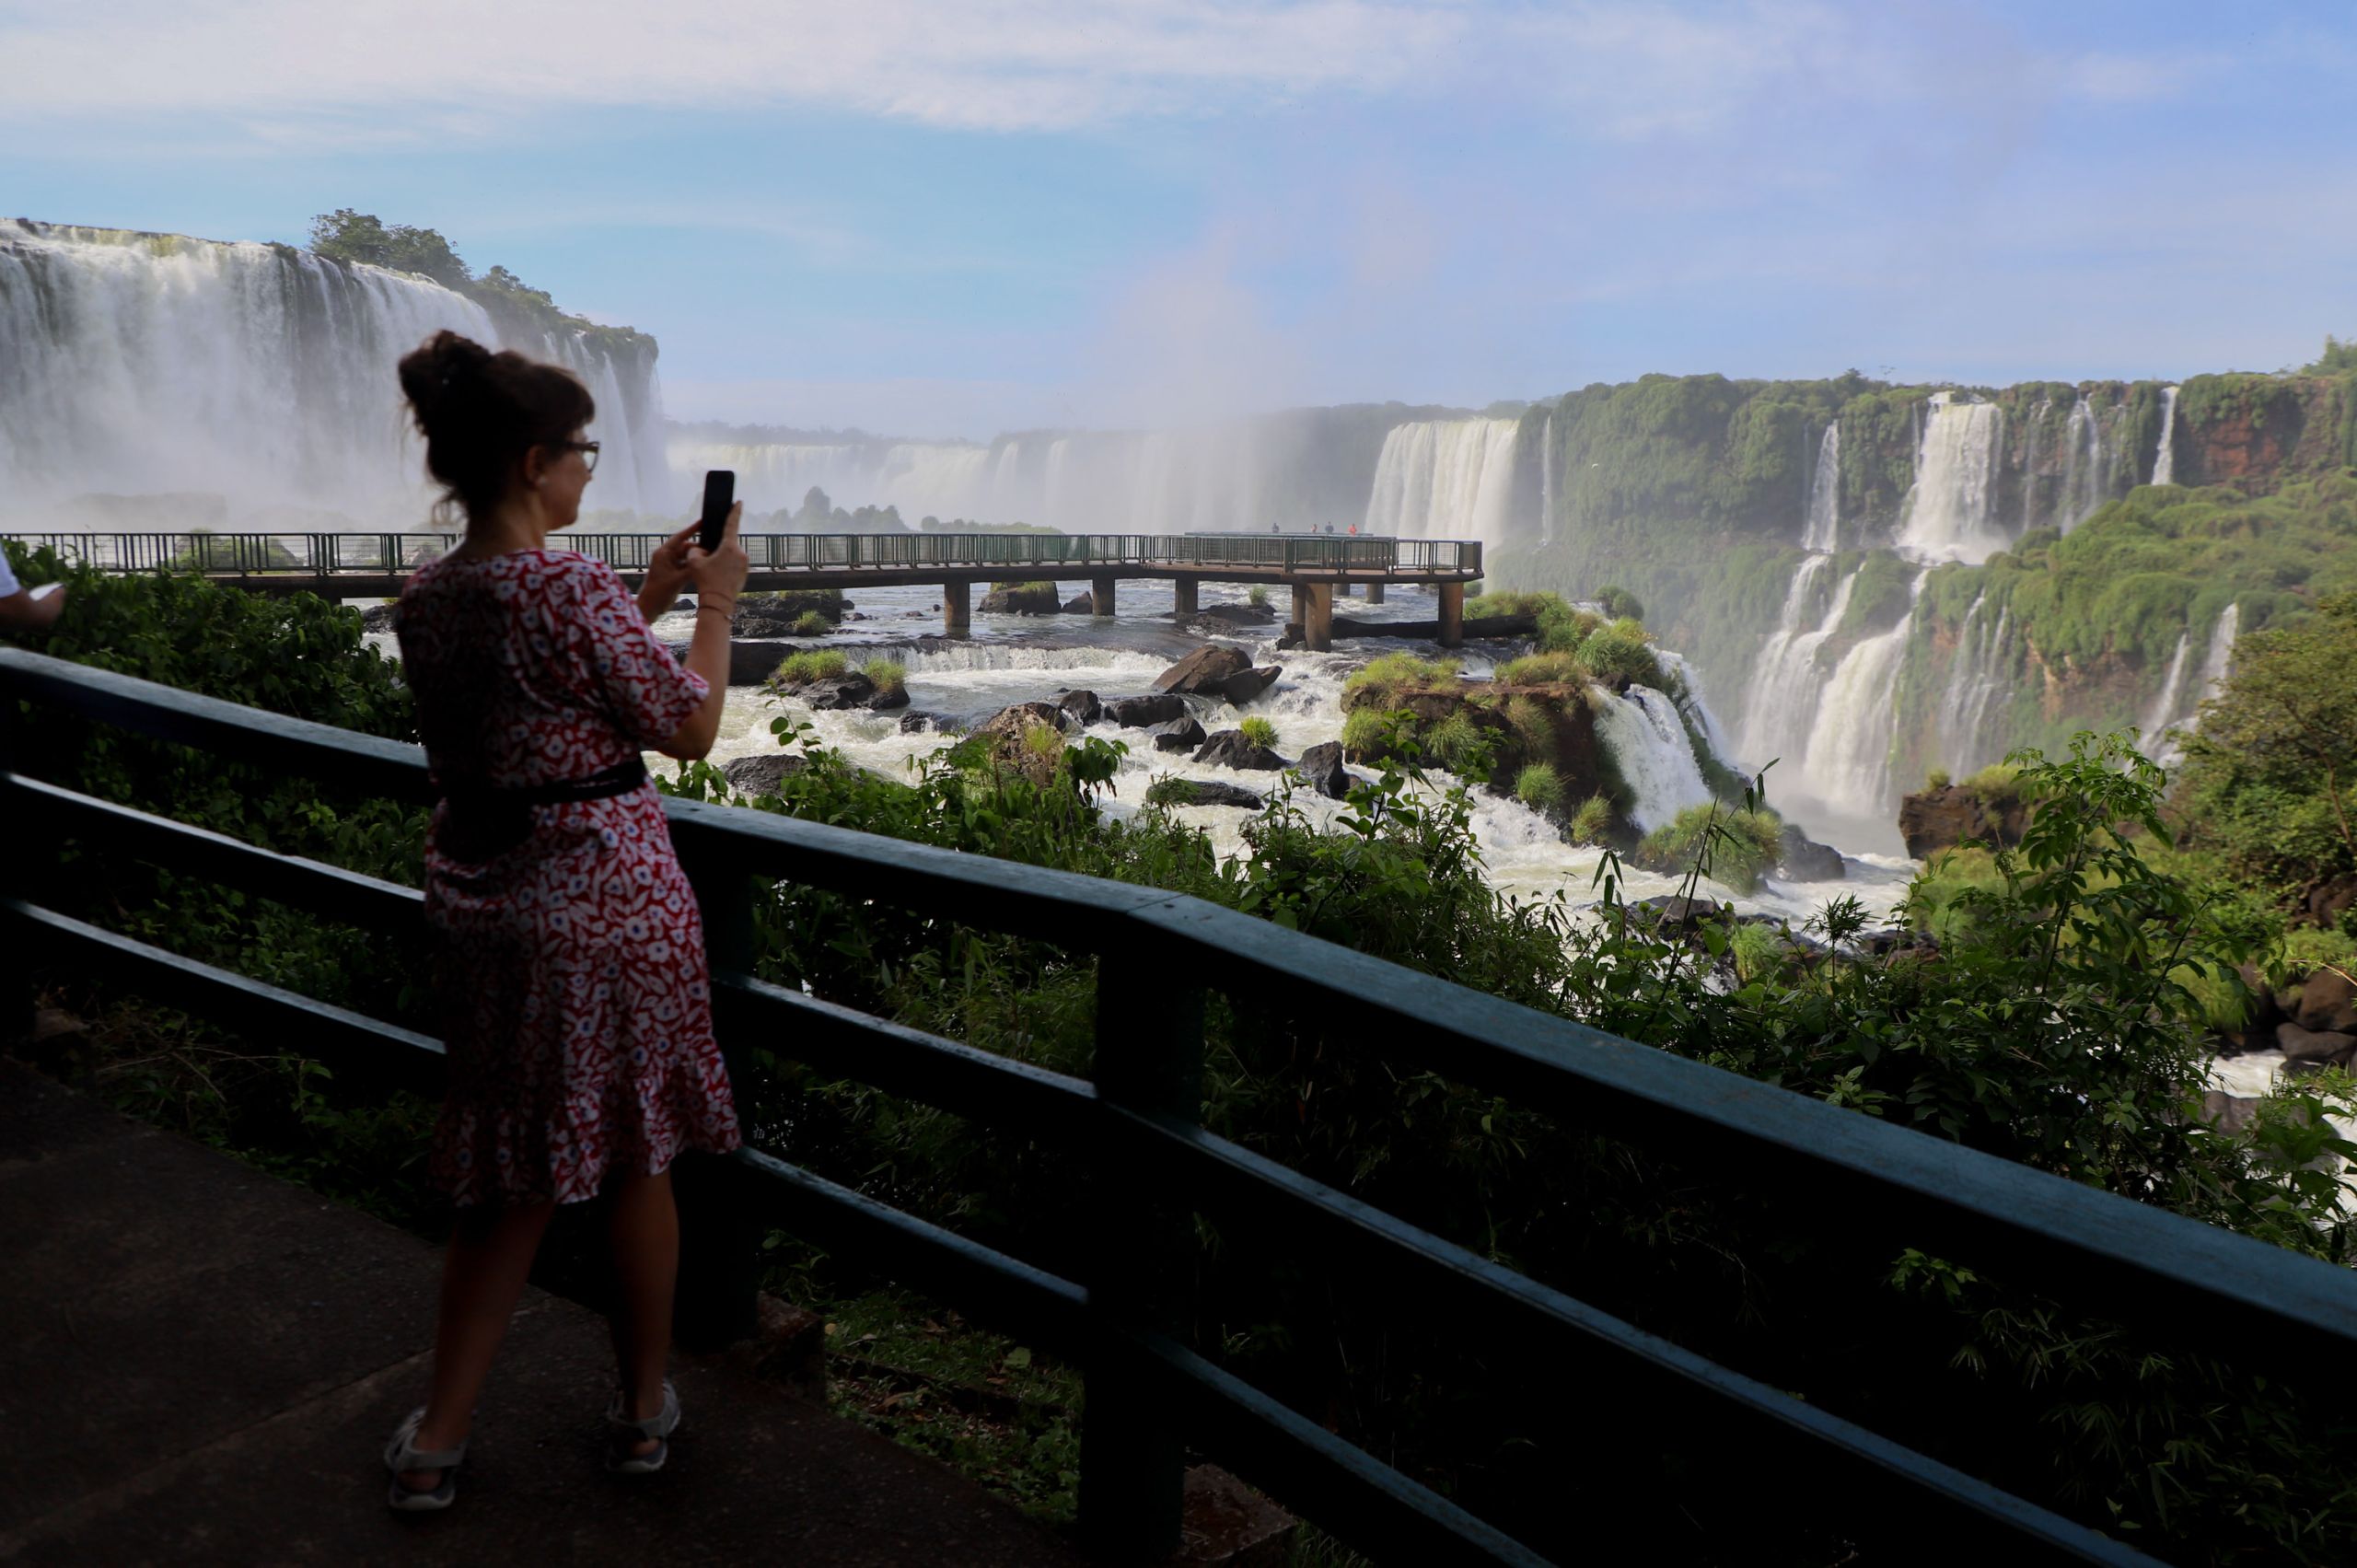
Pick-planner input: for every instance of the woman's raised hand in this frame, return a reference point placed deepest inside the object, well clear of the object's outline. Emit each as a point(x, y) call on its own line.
point(722, 571)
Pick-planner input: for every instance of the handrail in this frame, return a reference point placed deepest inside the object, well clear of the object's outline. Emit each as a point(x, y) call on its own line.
point(2134, 1262)
point(327, 555)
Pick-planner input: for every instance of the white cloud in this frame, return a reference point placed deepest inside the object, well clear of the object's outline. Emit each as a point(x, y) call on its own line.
point(293, 72)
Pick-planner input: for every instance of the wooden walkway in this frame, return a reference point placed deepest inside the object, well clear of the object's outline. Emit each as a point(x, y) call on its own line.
point(199, 1364)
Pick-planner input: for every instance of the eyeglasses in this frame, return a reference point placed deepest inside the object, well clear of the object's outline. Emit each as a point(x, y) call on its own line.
point(589, 450)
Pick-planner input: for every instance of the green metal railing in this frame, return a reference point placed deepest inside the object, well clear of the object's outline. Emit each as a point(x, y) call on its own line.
point(1150, 1394)
point(327, 554)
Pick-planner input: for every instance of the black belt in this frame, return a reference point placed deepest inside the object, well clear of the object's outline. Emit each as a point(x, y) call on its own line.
point(486, 821)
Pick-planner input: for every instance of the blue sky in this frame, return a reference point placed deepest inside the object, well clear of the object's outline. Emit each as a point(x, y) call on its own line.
point(951, 219)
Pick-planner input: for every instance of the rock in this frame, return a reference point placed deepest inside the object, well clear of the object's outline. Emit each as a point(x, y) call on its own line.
point(1668, 911)
point(1321, 770)
point(1246, 684)
point(1082, 604)
point(2328, 1002)
point(1021, 599)
point(887, 698)
point(2314, 1045)
point(940, 723)
point(1805, 860)
point(1290, 641)
point(2265, 1011)
point(1491, 626)
point(761, 775)
point(1081, 708)
point(2328, 901)
point(835, 692)
point(2227, 1113)
point(1200, 792)
point(760, 626)
point(1933, 820)
point(1010, 731)
point(1204, 669)
point(1882, 944)
point(1181, 734)
point(785, 604)
point(1137, 712)
point(1228, 748)
point(378, 617)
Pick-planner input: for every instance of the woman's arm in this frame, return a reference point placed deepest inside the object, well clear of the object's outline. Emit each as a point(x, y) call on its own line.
point(718, 578)
point(667, 573)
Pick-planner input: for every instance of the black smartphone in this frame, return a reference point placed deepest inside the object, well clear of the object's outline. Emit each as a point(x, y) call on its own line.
point(719, 494)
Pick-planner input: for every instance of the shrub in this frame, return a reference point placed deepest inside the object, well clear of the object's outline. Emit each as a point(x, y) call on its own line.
point(1620, 603)
point(800, 669)
point(1257, 596)
point(1738, 848)
point(1937, 779)
point(1538, 786)
point(1395, 673)
point(1491, 605)
point(1366, 733)
point(810, 623)
point(1998, 785)
point(1618, 652)
point(1458, 745)
point(1755, 951)
point(1533, 723)
point(888, 675)
point(1591, 821)
point(1258, 730)
point(1544, 669)
point(1562, 627)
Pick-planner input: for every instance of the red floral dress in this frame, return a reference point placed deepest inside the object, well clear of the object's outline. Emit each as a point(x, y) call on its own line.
point(577, 1006)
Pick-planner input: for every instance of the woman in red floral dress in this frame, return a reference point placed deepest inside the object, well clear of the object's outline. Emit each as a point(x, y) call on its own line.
point(576, 1003)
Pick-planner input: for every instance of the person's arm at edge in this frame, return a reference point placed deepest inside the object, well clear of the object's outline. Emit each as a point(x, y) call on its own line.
point(718, 578)
point(20, 612)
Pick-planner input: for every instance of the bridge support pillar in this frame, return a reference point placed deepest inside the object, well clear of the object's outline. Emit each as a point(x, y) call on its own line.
point(1183, 592)
point(1318, 626)
point(1375, 593)
point(1452, 614)
point(1100, 595)
point(958, 609)
point(1301, 607)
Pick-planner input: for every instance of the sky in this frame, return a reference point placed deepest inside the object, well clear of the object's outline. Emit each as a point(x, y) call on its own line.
point(954, 219)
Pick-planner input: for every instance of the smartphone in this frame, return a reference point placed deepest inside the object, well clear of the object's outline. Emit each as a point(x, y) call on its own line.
point(719, 494)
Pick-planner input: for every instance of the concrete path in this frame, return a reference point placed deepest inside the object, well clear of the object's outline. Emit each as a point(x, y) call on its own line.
point(200, 1364)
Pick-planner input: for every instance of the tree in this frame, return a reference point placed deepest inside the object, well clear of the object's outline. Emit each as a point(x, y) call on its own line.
point(348, 235)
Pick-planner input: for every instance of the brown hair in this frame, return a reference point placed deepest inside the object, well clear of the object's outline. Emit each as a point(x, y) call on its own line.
point(480, 411)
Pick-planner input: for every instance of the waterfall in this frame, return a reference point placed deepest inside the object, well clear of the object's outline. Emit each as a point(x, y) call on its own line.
point(162, 366)
point(1822, 528)
point(1781, 700)
point(1847, 763)
point(1444, 479)
point(2163, 712)
point(1979, 672)
point(1547, 481)
point(2165, 459)
point(2086, 469)
point(1694, 705)
point(1948, 510)
point(1641, 730)
point(2222, 652)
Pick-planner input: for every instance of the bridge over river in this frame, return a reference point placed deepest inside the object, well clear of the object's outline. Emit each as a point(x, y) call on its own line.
point(1315, 566)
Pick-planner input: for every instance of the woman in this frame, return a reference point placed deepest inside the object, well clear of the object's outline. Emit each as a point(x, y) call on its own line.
point(577, 1007)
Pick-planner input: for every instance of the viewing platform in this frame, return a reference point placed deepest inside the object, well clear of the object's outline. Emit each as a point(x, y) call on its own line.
point(374, 565)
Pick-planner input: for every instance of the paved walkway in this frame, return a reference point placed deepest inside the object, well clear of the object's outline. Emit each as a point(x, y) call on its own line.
point(200, 1364)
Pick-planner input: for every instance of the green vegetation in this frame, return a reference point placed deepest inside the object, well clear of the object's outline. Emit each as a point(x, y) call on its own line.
point(1533, 723)
point(787, 603)
point(1366, 733)
point(800, 669)
point(1257, 596)
point(1460, 745)
point(1620, 603)
point(1938, 778)
point(1619, 652)
point(810, 623)
point(1259, 730)
point(1538, 786)
point(1386, 678)
point(1592, 823)
point(888, 675)
point(1544, 669)
point(1738, 848)
point(348, 235)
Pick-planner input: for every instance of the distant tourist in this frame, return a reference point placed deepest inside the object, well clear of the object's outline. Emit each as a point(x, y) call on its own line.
point(576, 1004)
point(28, 610)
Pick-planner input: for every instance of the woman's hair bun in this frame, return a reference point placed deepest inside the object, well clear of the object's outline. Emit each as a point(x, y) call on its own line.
point(480, 411)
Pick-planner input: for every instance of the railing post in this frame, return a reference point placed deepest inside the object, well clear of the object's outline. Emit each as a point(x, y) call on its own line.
point(18, 1002)
point(1133, 1460)
point(715, 1303)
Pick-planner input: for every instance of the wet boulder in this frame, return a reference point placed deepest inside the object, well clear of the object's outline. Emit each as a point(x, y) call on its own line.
point(1082, 604)
point(2328, 1002)
point(1181, 734)
point(1228, 748)
point(1321, 770)
point(378, 617)
point(1014, 738)
point(1137, 712)
point(1204, 670)
point(1246, 684)
point(1081, 708)
point(1202, 792)
point(831, 693)
point(916, 721)
point(2315, 1047)
point(1803, 859)
point(1021, 599)
point(761, 775)
point(750, 625)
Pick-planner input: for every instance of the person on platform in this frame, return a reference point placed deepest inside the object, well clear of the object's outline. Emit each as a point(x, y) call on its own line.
point(575, 999)
point(28, 610)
